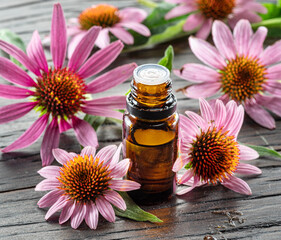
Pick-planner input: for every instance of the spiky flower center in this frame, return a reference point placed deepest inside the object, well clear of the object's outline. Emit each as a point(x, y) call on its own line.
point(214, 155)
point(103, 15)
point(216, 9)
point(242, 78)
point(84, 178)
point(60, 92)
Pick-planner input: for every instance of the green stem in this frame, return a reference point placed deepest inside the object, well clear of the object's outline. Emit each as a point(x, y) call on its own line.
point(148, 3)
point(274, 22)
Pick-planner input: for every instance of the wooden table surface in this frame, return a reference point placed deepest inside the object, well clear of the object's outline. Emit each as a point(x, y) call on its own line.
point(186, 217)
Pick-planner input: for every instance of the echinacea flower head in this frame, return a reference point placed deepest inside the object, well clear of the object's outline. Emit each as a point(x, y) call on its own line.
point(85, 185)
point(59, 92)
point(209, 149)
point(239, 68)
point(112, 20)
point(205, 12)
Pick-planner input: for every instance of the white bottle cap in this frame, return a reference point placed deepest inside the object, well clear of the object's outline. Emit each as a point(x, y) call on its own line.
point(151, 74)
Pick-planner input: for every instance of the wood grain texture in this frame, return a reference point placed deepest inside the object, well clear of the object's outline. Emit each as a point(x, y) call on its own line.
point(186, 217)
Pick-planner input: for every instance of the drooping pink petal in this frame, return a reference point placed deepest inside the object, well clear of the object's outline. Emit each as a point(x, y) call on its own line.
point(188, 126)
point(231, 108)
point(120, 169)
point(206, 110)
point(106, 153)
point(123, 185)
point(78, 215)
point(220, 114)
point(205, 29)
point(30, 135)
point(103, 39)
point(237, 185)
point(73, 43)
point(260, 115)
point(100, 60)
point(50, 198)
point(20, 56)
point(62, 156)
point(50, 141)
point(111, 78)
point(242, 36)
point(14, 111)
point(113, 102)
point(274, 72)
point(58, 36)
point(83, 49)
point(193, 21)
point(247, 169)
point(72, 27)
point(197, 73)
point(180, 163)
point(13, 92)
point(186, 177)
point(92, 216)
point(137, 27)
point(185, 190)
point(206, 53)
point(66, 212)
point(88, 150)
point(48, 184)
point(105, 209)
point(223, 40)
point(246, 14)
point(202, 90)
point(84, 132)
point(36, 53)
point(132, 14)
point(273, 87)
point(195, 184)
point(64, 125)
point(255, 7)
point(115, 199)
point(14, 74)
point(256, 43)
point(49, 171)
point(236, 123)
point(122, 34)
point(202, 123)
point(180, 10)
point(115, 158)
point(272, 54)
point(59, 204)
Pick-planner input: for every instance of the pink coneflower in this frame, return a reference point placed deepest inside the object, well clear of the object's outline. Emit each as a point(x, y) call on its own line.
point(206, 11)
point(59, 92)
point(239, 68)
point(112, 20)
point(208, 146)
point(84, 186)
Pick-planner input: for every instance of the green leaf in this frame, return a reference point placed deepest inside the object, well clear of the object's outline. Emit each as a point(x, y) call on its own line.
point(95, 121)
point(263, 151)
point(148, 3)
point(273, 11)
point(10, 37)
point(273, 25)
point(167, 60)
point(188, 166)
point(134, 212)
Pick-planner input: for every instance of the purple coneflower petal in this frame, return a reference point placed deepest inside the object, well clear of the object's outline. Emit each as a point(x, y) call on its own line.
point(193, 21)
point(49, 171)
point(274, 72)
point(20, 56)
point(197, 73)
point(103, 39)
point(92, 216)
point(114, 102)
point(13, 92)
point(255, 7)
point(132, 14)
point(273, 87)
point(242, 36)
point(188, 126)
point(237, 185)
point(36, 53)
point(256, 42)
point(14, 111)
point(30, 135)
point(223, 40)
point(58, 36)
point(180, 10)
point(106, 153)
point(203, 90)
point(64, 125)
point(115, 199)
point(59, 204)
point(272, 54)
point(100, 60)
point(61, 155)
point(247, 169)
point(14, 74)
point(115, 158)
point(180, 163)
point(123, 185)
point(50, 198)
point(48, 184)
point(206, 53)
point(84, 132)
point(111, 79)
point(73, 43)
point(206, 110)
point(88, 150)
point(137, 27)
point(205, 29)
point(271, 103)
point(78, 215)
point(120, 169)
point(186, 176)
point(122, 34)
point(67, 211)
point(105, 209)
point(236, 123)
point(247, 153)
point(219, 113)
point(50, 141)
point(202, 123)
point(83, 49)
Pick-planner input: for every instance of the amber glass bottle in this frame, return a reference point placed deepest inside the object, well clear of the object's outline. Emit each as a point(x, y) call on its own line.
point(150, 132)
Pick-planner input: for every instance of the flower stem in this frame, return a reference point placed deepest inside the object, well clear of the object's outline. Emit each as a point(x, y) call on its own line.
point(274, 22)
point(148, 3)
